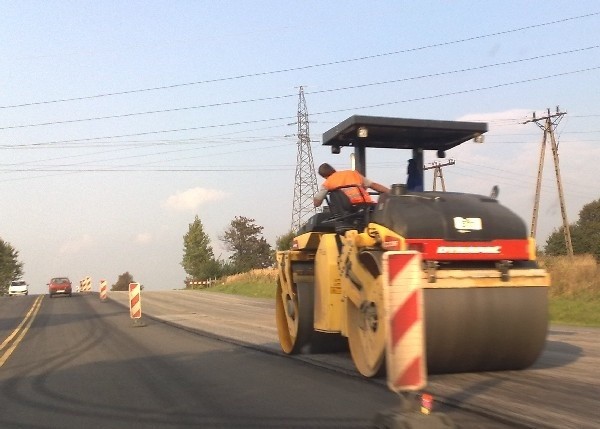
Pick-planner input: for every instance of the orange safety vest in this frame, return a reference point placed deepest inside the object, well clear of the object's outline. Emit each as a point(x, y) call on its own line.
point(356, 194)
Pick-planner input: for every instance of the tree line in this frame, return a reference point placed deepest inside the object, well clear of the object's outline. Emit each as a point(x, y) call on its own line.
point(585, 234)
point(242, 237)
point(10, 266)
point(249, 249)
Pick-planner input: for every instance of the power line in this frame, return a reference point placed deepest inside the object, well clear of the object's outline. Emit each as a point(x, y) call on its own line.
point(288, 118)
point(291, 69)
point(465, 91)
point(202, 127)
point(281, 97)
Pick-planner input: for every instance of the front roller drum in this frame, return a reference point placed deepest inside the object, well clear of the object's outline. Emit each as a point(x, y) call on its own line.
point(294, 314)
point(366, 332)
point(484, 329)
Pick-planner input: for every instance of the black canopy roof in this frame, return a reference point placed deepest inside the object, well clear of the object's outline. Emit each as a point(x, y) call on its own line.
point(400, 133)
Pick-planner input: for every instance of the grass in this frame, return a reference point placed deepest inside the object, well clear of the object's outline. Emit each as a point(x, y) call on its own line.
point(575, 290)
point(255, 283)
point(575, 311)
point(574, 295)
point(255, 289)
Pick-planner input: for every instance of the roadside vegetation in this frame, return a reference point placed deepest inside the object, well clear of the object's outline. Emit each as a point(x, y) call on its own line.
point(10, 266)
point(123, 281)
point(242, 238)
point(575, 290)
point(259, 283)
point(574, 297)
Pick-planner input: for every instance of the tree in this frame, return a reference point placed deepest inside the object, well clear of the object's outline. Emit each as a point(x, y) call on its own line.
point(198, 258)
point(10, 266)
point(585, 234)
point(250, 249)
point(284, 242)
point(123, 282)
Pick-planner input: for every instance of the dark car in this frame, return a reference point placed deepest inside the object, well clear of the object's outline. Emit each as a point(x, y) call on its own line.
point(60, 285)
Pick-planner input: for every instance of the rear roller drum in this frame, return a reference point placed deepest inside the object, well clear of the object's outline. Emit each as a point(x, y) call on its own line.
point(294, 315)
point(485, 329)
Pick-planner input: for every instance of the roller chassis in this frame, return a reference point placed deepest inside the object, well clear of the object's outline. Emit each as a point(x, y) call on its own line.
point(510, 320)
point(485, 297)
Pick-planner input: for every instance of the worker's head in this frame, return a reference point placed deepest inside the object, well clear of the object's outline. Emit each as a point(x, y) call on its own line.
point(326, 170)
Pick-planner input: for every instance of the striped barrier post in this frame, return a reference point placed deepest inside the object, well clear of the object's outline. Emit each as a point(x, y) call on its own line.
point(103, 290)
point(405, 344)
point(403, 299)
point(135, 303)
point(85, 285)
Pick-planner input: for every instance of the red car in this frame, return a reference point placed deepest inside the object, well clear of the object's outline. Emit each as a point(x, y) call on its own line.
point(60, 285)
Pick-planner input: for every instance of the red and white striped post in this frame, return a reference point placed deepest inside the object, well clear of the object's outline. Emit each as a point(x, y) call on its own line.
point(103, 290)
point(135, 302)
point(403, 298)
point(405, 351)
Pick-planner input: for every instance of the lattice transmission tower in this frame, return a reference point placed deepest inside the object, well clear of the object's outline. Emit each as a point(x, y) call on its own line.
point(305, 183)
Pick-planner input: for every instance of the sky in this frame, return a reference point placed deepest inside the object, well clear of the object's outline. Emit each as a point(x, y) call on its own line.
point(122, 121)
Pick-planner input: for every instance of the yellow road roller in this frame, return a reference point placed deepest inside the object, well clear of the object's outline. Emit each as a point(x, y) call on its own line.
point(485, 297)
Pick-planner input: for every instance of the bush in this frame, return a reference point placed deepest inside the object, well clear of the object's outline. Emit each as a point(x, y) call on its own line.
point(578, 276)
point(256, 275)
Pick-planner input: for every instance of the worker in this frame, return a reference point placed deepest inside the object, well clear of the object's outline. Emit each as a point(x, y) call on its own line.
point(414, 180)
point(335, 179)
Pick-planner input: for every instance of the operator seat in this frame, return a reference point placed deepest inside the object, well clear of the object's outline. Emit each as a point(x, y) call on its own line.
point(345, 215)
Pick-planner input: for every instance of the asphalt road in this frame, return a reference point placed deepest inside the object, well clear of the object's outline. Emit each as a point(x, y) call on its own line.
point(562, 390)
point(82, 364)
point(212, 361)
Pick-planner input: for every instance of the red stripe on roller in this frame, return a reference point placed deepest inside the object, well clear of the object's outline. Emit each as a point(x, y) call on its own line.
point(397, 263)
point(412, 375)
point(404, 318)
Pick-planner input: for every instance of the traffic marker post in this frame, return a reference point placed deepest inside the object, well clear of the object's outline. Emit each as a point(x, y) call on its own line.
point(135, 304)
point(403, 300)
point(85, 285)
point(405, 344)
point(103, 290)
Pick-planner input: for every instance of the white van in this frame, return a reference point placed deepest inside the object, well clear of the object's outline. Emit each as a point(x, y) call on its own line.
point(18, 287)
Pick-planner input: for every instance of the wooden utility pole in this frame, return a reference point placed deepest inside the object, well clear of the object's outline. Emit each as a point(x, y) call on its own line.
point(548, 123)
point(437, 172)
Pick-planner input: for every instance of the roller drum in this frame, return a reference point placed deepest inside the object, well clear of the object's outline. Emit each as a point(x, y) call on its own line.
point(484, 328)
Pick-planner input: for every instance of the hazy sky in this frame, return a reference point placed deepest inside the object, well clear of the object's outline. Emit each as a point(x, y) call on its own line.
point(122, 120)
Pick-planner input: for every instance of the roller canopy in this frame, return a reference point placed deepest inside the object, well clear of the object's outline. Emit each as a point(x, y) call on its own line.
point(401, 133)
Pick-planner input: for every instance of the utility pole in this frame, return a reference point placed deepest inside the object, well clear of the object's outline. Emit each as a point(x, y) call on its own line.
point(548, 124)
point(437, 171)
point(305, 183)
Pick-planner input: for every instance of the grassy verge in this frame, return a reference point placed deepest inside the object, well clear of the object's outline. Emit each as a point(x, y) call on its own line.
point(574, 294)
point(575, 291)
point(255, 289)
point(575, 311)
point(255, 283)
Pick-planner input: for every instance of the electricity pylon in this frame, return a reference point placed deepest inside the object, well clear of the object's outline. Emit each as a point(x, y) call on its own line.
point(550, 122)
point(305, 184)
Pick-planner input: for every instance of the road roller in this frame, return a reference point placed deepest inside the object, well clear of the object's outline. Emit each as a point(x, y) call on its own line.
point(484, 295)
